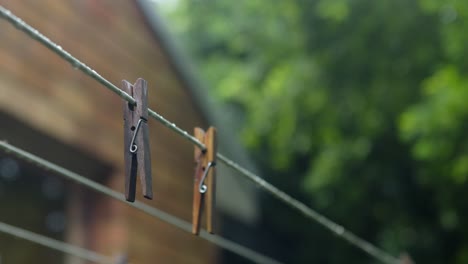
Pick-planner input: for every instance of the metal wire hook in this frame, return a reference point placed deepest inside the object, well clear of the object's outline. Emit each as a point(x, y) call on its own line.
point(133, 146)
point(202, 187)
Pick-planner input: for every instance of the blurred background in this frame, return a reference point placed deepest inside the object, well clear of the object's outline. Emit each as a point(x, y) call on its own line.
point(357, 108)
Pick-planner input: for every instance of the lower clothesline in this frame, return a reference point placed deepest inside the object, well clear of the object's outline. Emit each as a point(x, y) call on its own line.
point(154, 212)
point(64, 247)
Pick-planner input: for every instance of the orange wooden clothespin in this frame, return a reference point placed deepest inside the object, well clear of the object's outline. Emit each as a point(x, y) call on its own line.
point(136, 140)
point(204, 185)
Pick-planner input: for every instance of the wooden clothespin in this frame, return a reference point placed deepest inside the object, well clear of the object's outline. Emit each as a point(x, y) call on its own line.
point(204, 186)
point(136, 140)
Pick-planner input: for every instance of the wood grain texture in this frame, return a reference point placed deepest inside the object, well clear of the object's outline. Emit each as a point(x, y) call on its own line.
point(204, 200)
point(140, 93)
point(143, 154)
point(129, 158)
point(197, 206)
point(210, 199)
point(144, 162)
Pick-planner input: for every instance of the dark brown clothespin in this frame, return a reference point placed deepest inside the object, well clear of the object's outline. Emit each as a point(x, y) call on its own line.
point(136, 140)
point(204, 186)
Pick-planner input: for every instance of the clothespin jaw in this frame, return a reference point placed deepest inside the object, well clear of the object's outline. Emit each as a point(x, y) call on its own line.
point(204, 185)
point(137, 154)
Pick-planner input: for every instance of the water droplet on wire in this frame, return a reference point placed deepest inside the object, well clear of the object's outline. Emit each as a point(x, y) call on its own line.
point(18, 23)
point(76, 65)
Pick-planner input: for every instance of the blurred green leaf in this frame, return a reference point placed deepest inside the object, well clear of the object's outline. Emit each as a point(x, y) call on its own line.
point(357, 107)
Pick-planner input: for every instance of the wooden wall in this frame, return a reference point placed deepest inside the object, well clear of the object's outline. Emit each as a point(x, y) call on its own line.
point(45, 92)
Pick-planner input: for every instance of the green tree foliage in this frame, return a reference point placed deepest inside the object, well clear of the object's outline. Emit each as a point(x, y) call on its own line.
point(358, 107)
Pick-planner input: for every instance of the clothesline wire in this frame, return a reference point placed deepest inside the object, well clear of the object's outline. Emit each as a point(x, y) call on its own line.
point(166, 217)
point(55, 244)
point(308, 212)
